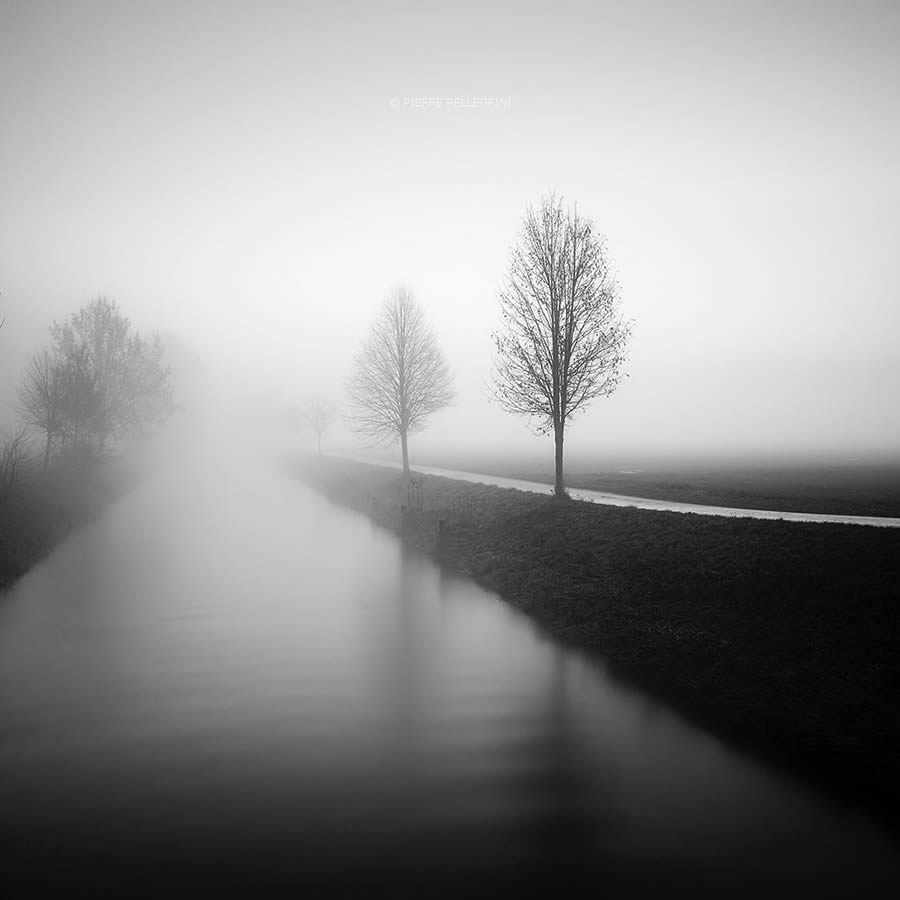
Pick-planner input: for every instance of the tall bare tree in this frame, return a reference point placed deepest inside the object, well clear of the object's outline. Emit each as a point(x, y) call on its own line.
point(561, 343)
point(42, 397)
point(400, 376)
point(318, 414)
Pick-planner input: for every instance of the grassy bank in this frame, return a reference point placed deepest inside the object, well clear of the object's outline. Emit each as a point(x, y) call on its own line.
point(783, 636)
point(45, 506)
point(853, 489)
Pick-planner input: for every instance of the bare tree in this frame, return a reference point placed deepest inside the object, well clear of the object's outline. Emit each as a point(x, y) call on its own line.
point(561, 342)
point(13, 460)
point(42, 397)
point(400, 376)
point(119, 382)
point(318, 414)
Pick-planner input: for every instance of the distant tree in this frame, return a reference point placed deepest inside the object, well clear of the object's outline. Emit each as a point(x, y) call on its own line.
point(117, 382)
point(317, 414)
point(561, 342)
point(42, 397)
point(85, 414)
point(14, 457)
point(400, 376)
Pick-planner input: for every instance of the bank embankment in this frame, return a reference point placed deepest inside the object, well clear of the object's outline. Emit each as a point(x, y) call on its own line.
point(781, 636)
point(45, 506)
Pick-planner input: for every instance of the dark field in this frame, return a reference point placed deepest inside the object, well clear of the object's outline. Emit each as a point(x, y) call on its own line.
point(782, 636)
point(845, 488)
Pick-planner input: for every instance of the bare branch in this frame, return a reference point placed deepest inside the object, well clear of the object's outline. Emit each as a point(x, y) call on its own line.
point(561, 342)
point(42, 397)
point(14, 457)
point(400, 376)
point(116, 380)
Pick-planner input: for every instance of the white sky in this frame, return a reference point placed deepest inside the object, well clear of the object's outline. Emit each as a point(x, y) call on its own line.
point(234, 173)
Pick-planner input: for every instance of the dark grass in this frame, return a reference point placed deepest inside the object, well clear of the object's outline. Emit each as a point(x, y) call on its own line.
point(46, 506)
point(782, 636)
point(849, 488)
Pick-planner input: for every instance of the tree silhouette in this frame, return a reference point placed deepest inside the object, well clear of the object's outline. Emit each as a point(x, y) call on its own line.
point(117, 382)
point(561, 342)
point(400, 376)
point(318, 414)
point(42, 397)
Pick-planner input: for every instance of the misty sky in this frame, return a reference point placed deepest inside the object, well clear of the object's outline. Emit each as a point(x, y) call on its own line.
point(235, 174)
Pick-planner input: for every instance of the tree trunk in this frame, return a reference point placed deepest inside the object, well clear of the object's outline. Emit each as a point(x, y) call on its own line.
point(47, 451)
point(405, 452)
point(319, 442)
point(558, 434)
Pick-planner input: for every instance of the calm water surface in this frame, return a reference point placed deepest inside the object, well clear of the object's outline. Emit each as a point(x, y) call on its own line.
point(229, 679)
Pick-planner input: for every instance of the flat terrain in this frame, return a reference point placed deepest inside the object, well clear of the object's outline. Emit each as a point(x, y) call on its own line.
point(844, 488)
point(783, 636)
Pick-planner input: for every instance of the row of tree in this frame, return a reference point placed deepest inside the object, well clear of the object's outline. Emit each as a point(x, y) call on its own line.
point(560, 345)
point(98, 381)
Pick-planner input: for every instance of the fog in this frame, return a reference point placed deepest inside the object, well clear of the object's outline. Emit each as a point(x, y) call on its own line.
point(239, 180)
point(315, 699)
point(678, 672)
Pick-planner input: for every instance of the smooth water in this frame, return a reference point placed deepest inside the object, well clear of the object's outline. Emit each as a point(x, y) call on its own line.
point(227, 677)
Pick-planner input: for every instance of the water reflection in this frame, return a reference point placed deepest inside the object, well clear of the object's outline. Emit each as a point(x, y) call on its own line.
point(228, 675)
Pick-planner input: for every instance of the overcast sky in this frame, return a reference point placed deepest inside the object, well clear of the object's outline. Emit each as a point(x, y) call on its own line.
point(237, 174)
